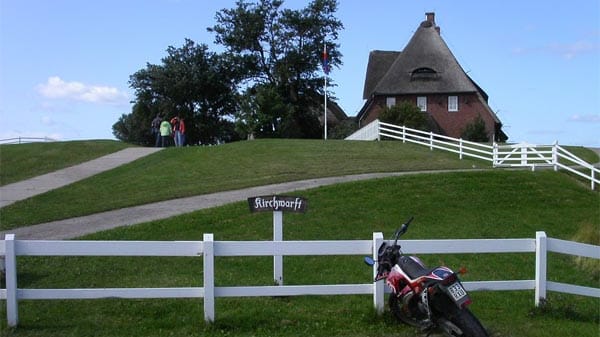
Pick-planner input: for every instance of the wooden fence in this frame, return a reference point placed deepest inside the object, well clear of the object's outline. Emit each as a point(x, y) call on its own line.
point(511, 155)
point(208, 249)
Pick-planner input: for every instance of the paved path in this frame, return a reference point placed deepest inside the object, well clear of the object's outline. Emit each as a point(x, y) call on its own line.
point(74, 227)
point(28, 188)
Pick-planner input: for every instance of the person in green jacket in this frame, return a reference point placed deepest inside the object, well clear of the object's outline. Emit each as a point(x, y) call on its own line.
point(165, 133)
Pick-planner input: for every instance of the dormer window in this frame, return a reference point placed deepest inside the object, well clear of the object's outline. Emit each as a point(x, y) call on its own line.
point(423, 73)
point(424, 70)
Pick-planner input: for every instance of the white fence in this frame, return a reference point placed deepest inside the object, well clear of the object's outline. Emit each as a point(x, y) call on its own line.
point(208, 249)
point(515, 155)
point(22, 140)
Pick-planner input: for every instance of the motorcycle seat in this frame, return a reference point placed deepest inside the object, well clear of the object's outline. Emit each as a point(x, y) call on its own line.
point(412, 267)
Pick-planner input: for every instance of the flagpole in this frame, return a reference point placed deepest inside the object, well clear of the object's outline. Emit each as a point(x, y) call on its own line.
point(325, 85)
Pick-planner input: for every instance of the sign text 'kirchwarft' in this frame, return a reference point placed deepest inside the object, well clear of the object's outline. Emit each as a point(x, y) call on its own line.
point(277, 203)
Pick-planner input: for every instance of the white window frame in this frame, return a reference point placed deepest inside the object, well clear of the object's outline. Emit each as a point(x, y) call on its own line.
point(452, 103)
point(390, 101)
point(422, 103)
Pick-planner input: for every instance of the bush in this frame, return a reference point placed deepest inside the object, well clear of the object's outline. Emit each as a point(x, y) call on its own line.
point(475, 131)
point(590, 234)
point(406, 114)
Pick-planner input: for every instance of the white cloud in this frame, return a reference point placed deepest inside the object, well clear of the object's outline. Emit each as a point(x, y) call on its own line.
point(585, 118)
point(56, 88)
point(568, 50)
point(47, 121)
point(571, 50)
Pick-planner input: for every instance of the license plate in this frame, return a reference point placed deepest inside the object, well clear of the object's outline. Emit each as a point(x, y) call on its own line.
point(457, 291)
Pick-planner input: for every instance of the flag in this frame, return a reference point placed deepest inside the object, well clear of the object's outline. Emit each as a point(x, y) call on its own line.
point(325, 60)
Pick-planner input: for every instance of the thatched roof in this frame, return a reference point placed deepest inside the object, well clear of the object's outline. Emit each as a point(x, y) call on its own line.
point(425, 66)
point(379, 63)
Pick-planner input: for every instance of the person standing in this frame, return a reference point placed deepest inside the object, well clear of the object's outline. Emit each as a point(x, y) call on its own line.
point(155, 125)
point(181, 133)
point(175, 128)
point(165, 133)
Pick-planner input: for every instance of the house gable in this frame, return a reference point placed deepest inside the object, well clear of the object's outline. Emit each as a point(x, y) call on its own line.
point(426, 68)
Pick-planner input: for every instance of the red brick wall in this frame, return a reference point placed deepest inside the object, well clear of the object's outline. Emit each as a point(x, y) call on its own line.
point(453, 123)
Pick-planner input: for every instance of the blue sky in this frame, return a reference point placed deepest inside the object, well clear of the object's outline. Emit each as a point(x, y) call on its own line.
point(65, 64)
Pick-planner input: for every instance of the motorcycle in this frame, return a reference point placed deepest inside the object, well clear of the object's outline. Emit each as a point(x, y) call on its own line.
point(430, 299)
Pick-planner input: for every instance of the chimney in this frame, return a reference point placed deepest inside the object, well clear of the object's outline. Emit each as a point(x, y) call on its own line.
point(430, 17)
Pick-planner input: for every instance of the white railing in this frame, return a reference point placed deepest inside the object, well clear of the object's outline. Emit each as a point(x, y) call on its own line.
point(21, 140)
point(368, 132)
point(514, 155)
point(208, 249)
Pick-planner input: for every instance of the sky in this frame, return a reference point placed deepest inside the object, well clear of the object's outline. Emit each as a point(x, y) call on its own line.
point(65, 64)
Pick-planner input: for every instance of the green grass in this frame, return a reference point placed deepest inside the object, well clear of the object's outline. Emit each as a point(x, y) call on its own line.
point(496, 204)
point(23, 161)
point(182, 172)
point(178, 172)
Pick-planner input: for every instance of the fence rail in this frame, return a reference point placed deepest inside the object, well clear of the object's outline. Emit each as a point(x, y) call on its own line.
point(512, 155)
point(22, 140)
point(208, 249)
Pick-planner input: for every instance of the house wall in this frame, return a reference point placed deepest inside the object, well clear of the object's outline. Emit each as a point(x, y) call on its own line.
point(451, 122)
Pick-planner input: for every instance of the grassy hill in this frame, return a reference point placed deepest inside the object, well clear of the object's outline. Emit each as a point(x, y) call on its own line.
point(181, 172)
point(487, 204)
point(24, 161)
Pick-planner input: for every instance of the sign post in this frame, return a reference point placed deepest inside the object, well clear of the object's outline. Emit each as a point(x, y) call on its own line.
point(277, 204)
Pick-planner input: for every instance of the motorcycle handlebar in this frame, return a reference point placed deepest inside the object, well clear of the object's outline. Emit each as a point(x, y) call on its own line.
point(402, 229)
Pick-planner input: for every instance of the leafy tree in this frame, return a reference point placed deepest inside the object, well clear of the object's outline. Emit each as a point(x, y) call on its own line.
point(135, 127)
point(280, 53)
point(191, 82)
point(344, 129)
point(405, 114)
point(475, 131)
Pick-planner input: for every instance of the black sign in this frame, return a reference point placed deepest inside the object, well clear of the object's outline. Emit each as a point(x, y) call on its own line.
point(277, 203)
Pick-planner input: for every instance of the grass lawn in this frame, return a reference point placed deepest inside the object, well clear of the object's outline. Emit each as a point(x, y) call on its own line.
point(24, 161)
point(182, 172)
point(490, 204)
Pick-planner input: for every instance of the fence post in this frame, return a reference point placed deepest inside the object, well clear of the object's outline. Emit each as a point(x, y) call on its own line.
point(403, 134)
point(555, 155)
point(431, 140)
point(12, 305)
point(209, 278)
point(495, 154)
point(540, 267)
point(379, 286)
point(524, 150)
point(278, 237)
point(460, 148)
point(378, 130)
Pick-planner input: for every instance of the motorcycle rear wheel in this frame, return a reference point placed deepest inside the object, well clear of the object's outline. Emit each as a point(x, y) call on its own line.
point(463, 319)
point(467, 322)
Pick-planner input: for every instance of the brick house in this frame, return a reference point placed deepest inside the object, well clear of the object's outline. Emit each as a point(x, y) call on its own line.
point(427, 74)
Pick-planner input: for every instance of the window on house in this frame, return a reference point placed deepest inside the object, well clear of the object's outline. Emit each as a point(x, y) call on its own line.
point(390, 101)
point(452, 103)
point(422, 103)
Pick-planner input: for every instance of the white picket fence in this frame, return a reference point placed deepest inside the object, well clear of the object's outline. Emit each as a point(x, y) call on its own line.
point(512, 155)
point(208, 249)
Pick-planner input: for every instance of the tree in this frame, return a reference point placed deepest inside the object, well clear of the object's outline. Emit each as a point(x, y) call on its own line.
point(405, 114)
point(135, 127)
point(475, 131)
point(191, 82)
point(280, 52)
